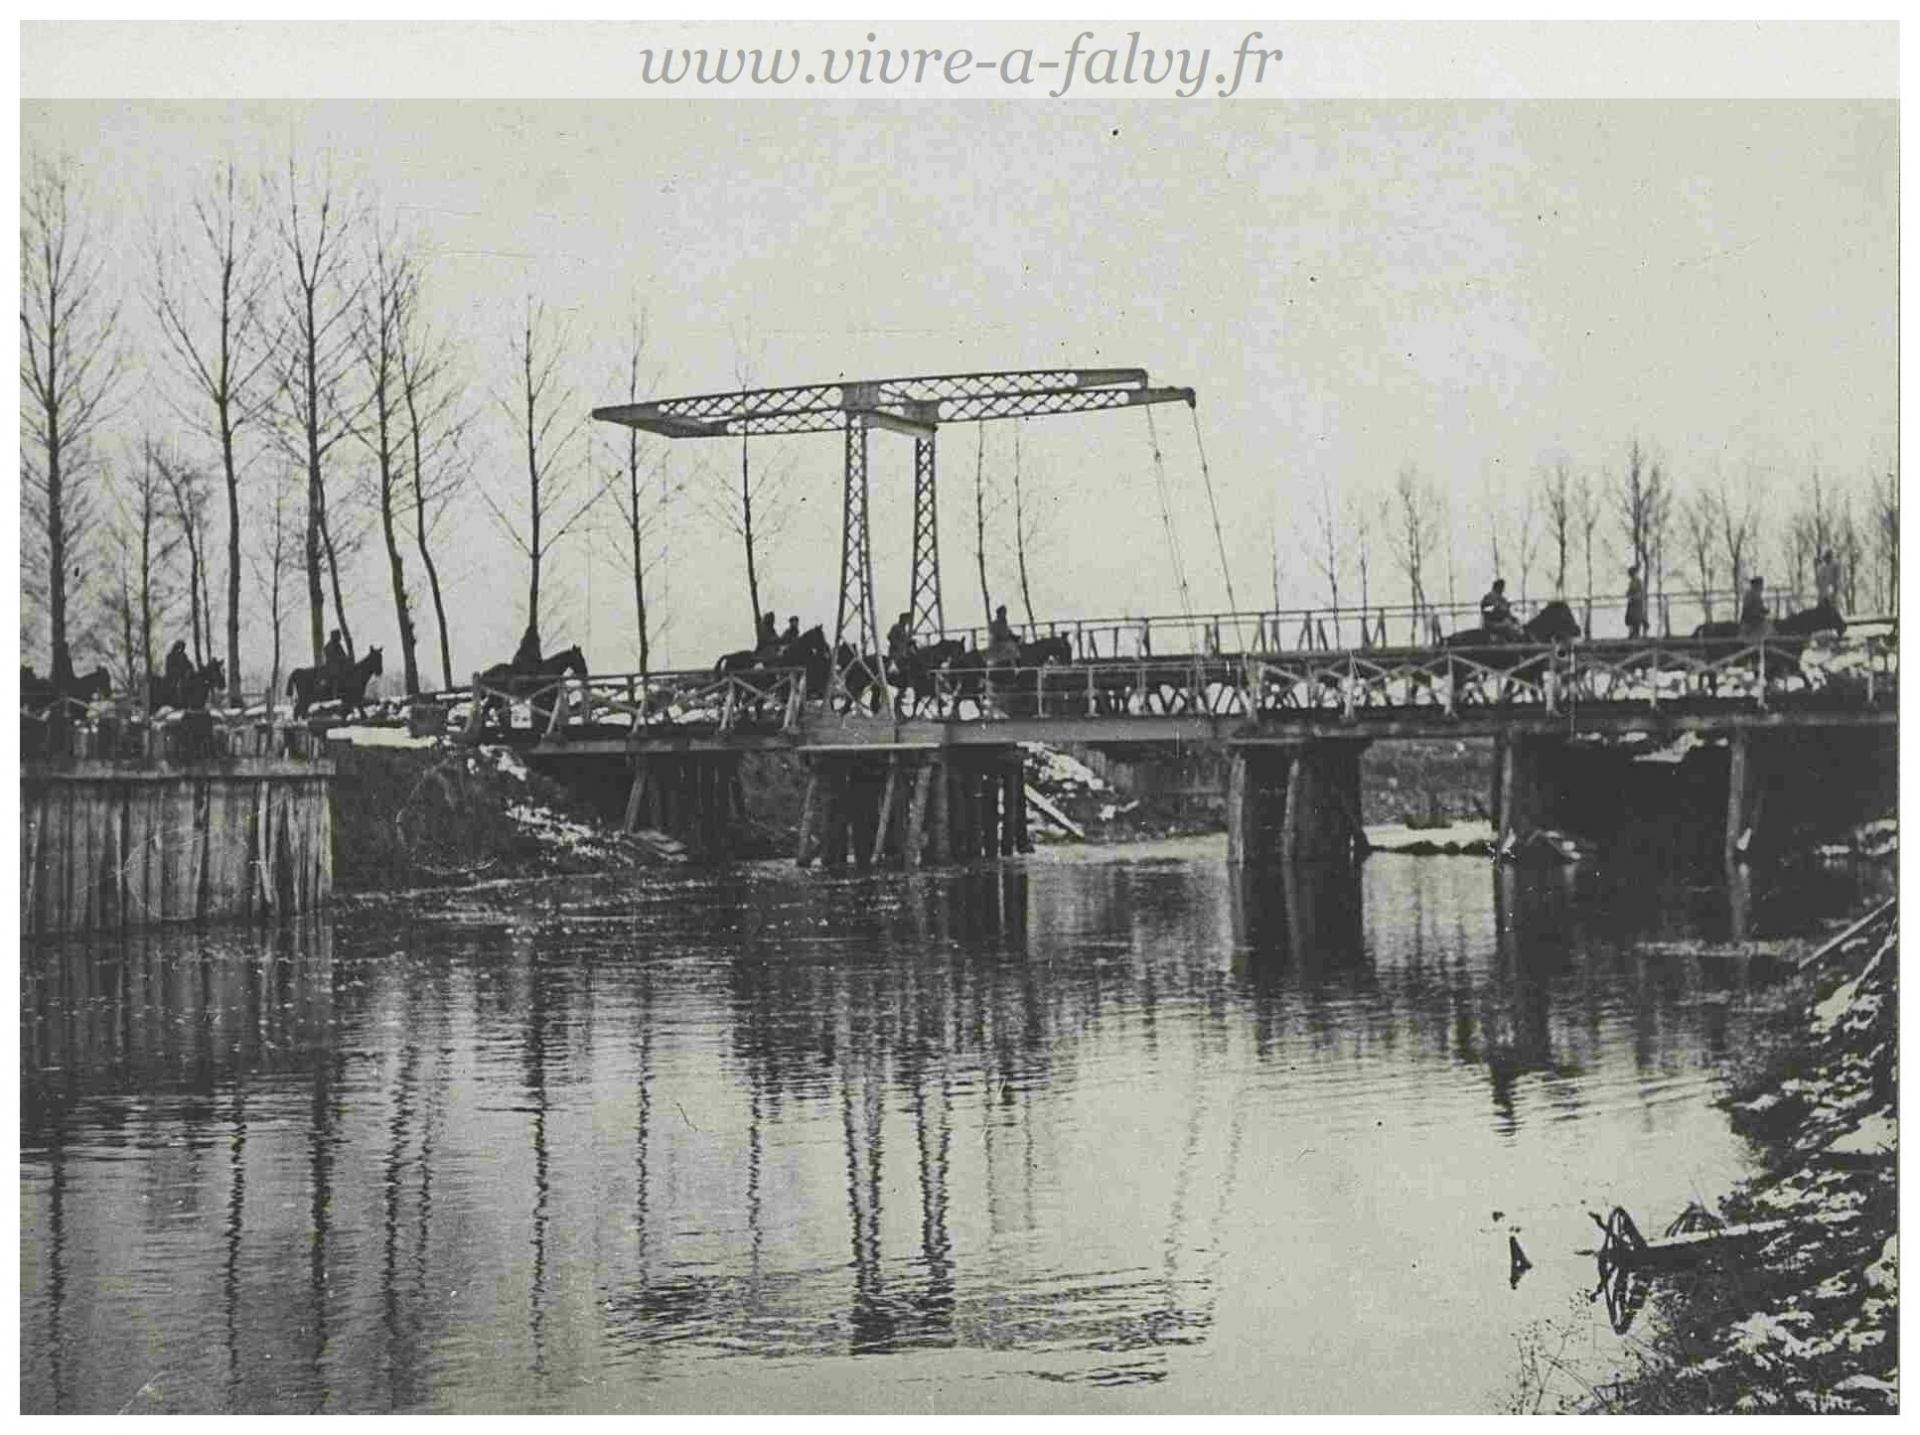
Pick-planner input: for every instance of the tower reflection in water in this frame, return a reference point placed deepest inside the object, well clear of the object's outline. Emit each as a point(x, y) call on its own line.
point(490, 1154)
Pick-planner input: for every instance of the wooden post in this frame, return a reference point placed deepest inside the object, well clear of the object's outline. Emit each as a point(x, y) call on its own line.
point(1237, 807)
point(805, 843)
point(940, 795)
point(883, 824)
point(917, 815)
point(635, 795)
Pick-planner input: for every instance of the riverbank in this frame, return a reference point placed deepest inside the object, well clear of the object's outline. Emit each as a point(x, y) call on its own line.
point(424, 814)
point(1807, 1321)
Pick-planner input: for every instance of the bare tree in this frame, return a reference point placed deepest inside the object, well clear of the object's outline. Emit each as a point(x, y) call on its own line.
point(1586, 517)
point(313, 364)
point(1026, 527)
point(1325, 549)
point(1637, 497)
point(1559, 509)
point(1701, 528)
point(1357, 508)
point(70, 368)
point(273, 561)
point(983, 508)
point(430, 393)
point(756, 507)
point(209, 297)
point(378, 321)
point(641, 503)
point(1526, 539)
point(186, 487)
point(147, 554)
point(1414, 530)
point(1885, 509)
point(559, 491)
point(1738, 507)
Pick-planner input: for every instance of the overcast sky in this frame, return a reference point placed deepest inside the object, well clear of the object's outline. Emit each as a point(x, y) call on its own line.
point(1477, 288)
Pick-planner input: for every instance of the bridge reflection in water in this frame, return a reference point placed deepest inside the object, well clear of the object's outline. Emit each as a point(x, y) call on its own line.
point(582, 1147)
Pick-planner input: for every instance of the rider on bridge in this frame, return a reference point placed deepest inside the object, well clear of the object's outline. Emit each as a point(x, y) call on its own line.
point(900, 642)
point(1496, 613)
point(334, 659)
point(792, 635)
point(1002, 646)
point(1753, 609)
point(179, 669)
point(767, 638)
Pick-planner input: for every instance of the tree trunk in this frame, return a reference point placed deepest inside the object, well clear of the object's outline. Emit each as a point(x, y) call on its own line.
point(420, 541)
point(333, 574)
point(402, 614)
point(980, 525)
point(746, 537)
point(233, 559)
point(1020, 533)
point(56, 540)
point(533, 499)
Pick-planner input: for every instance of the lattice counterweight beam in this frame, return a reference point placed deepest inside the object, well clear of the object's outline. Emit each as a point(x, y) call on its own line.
point(936, 399)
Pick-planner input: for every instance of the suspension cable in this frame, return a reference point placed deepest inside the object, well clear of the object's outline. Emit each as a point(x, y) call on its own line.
point(1213, 507)
point(1166, 518)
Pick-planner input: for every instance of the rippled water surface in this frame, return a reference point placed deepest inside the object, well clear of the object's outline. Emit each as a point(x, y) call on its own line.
point(1108, 1130)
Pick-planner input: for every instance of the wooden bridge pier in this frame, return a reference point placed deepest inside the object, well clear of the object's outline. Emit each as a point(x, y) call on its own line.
point(695, 797)
point(906, 806)
point(1295, 802)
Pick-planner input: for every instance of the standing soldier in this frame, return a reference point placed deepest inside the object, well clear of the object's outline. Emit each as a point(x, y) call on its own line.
point(1636, 604)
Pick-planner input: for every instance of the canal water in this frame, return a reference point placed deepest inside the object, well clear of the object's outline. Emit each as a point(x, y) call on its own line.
point(1105, 1130)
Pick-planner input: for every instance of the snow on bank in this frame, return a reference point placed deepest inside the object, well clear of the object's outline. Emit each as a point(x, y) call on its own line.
point(1474, 837)
point(1053, 771)
point(379, 737)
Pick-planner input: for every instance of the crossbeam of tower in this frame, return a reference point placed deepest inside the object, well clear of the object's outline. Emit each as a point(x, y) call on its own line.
point(915, 406)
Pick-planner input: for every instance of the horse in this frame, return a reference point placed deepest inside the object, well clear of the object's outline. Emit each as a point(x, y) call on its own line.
point(1499, 650)
point(307, 686)
point(1783, 657)
point(504, 678)
point(189, 692)
point(917, 674)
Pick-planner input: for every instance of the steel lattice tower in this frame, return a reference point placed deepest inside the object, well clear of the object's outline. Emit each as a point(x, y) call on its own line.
point(916, 407)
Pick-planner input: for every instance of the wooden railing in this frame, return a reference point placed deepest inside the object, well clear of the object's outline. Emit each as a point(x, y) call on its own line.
point(1674, 613)
point(764, 699)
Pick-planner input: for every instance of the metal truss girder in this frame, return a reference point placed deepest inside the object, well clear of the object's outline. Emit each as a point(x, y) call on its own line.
point(929, 399)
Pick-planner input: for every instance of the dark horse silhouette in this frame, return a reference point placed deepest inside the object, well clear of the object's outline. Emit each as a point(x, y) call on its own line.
point(1013, 684)
point(1783, 658)
point(308, 686)
point(37, 693)
point(189, 692)
point(1500, 651)
point(917, 677)
point(1554, 623)
point(504, 678)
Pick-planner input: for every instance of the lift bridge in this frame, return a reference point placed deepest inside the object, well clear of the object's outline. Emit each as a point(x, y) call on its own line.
point(932, 769)
point(915, 407)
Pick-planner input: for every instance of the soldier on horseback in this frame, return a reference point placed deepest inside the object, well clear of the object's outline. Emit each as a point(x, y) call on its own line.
point(767, 635)
point(792, 635)
point(1002, 646)
point(900, 642)
point(1753, 610)
point(334, 662)
point(178, 673)
point(1496, 613)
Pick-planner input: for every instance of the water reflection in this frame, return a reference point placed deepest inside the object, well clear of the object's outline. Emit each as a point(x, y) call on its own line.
point(1073, 1122)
